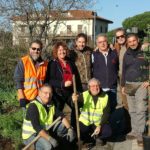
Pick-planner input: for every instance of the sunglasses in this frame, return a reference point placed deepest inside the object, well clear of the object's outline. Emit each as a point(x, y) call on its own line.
point(121, 36)
point(34, 48)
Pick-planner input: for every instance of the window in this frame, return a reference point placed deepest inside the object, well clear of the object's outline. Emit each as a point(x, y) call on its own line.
point(101, 29)
point(79, 28)
point(22, 28)
point(106, 29)
point(68, 29)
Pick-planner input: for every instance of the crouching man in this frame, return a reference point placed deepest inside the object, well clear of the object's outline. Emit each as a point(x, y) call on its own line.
point(40, 113)
point(94, 114)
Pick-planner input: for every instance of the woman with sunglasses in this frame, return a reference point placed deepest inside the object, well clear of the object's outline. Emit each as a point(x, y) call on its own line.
point(59, 75)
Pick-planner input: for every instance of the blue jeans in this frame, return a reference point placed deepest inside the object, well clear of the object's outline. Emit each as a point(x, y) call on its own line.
point(40, 144)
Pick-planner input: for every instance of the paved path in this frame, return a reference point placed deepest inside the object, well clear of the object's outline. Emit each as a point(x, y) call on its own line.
point(124, 145)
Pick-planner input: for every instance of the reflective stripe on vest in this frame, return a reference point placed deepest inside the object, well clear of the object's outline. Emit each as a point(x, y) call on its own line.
point(45, 120)
point(91, 114)
point(33, 78)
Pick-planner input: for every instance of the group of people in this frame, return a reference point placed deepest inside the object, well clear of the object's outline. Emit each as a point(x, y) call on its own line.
point(45, 87)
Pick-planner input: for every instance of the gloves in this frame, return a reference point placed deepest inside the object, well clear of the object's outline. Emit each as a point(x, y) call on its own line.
point(53, 141)
point(23, 102)
point(70, 135)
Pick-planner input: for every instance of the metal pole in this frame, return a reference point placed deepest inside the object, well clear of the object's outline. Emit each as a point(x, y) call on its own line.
point(94, 29)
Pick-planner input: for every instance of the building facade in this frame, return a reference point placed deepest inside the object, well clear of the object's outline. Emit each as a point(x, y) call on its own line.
point(65, 28)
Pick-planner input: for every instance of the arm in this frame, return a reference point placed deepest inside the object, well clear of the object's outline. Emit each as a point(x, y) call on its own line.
point(32, 109)
point(123, 71)
point(19, 79)
point(52, 75)
point(78, 98)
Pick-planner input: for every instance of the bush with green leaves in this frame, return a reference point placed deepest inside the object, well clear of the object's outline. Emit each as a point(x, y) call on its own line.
point(10, 112)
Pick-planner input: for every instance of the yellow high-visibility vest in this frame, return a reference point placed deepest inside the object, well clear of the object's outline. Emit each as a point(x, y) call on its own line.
point(45, 120)
point(91, 114)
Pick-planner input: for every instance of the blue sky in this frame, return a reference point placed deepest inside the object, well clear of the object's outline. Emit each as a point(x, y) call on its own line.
point(118, 10)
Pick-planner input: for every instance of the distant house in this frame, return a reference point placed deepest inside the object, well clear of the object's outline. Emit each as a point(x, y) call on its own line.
point(72, 23)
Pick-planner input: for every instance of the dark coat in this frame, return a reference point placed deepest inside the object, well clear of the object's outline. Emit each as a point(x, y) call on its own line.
point(135, 67)
point(106, 74)
point(54, 76)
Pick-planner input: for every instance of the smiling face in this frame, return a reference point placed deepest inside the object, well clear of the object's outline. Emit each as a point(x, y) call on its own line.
point(80, 43)
point(45, 93)
point(132, 42)
point(120, 37)
point(35, 51)
point(102, 43)
point(61, 53)
point(94, 87)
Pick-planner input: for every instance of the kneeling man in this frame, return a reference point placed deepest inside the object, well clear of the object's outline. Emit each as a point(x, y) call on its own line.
point(40, 113)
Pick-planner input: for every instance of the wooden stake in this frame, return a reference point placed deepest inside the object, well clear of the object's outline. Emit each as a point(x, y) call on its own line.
point(77, 115)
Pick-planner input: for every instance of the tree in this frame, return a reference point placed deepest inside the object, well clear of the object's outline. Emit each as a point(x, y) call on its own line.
point(37, 15)
point(140, 21)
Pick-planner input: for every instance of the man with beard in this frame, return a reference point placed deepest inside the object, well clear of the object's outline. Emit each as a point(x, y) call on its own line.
point(30, 73)
point(134, 86)
point(81, 56)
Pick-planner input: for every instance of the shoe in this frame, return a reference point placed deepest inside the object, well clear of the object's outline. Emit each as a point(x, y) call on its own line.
point(88, 146)
point(100, 142)
point(140, 143)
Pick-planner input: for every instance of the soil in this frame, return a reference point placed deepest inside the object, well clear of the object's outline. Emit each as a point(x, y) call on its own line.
point(6, 144)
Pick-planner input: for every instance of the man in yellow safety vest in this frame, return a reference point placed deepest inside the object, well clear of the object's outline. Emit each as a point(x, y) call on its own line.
point(94, 113)
point(44, 113)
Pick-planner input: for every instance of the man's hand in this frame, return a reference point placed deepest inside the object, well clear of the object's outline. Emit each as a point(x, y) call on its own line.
point(23, 102)
point(145, 84)
point(74, 97)
point(68, 83)
point(97, 130)
point(123, 91)
point(70, 135)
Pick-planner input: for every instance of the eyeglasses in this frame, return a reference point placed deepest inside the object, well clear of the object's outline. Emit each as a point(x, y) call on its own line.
point(121, 36)
point(101, 42)
point(92, 86)
point(34, 48)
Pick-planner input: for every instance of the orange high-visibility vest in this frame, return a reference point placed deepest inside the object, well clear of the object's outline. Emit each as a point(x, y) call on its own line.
point(33, 77)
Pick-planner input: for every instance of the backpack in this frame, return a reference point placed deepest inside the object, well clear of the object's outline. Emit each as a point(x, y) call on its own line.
point(120, 122)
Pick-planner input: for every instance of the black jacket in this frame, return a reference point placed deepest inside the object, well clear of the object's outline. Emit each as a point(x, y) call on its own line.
point(135, 67)
point(54, 76)
point(106, 74)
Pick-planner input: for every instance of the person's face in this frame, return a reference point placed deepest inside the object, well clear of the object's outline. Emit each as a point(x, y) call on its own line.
point(132, 42)
point(35, 51)
point(120, 37)
point(80, 43)
point(61, 53)
point(102, 43)
point(94, 88)
point(45, 94)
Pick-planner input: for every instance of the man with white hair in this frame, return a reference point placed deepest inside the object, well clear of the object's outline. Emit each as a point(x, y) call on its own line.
point(105, 68)
point(94, 113)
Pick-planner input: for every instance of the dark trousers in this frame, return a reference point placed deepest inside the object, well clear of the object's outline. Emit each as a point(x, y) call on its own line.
point(87, 131)
point(60, 99)
point(112, 96)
